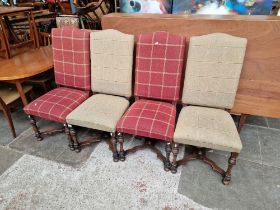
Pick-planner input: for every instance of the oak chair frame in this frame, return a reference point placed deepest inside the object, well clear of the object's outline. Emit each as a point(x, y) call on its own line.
point(5, 108)
point(68, 129)
point(149, 143)
point(111, 139)
point(199, 153)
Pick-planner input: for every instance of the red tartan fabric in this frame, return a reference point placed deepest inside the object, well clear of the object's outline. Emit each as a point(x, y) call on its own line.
point(149, 119)
point(56, 104)
point(71, 54)
point(159, 63)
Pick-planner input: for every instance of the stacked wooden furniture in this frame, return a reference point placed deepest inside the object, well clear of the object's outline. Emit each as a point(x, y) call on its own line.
point(9, 39)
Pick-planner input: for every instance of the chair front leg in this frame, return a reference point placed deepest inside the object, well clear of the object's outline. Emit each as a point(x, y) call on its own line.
point(231, 163)
point(167, 163)
point(71, 143)
point(36, 130)
point(114, 141)
point(175, 151)
point(76, 144)
point(121, 141)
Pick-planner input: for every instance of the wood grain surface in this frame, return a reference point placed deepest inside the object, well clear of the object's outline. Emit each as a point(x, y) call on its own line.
point(27, 64)
point(259, 87)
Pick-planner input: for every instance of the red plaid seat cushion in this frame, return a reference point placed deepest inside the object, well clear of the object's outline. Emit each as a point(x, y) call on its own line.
point(56, 104)
point(71, 55)
point(149, 119)
point(159, 63)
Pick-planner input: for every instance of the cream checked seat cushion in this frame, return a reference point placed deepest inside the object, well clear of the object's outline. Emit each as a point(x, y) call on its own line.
point(207, 127)
point(100, 112)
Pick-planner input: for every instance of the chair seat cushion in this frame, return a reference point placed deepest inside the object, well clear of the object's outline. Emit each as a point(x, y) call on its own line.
point(56, 104)
point(101, 112)
point(149, 119)
point(9, 93)
point(207, 127)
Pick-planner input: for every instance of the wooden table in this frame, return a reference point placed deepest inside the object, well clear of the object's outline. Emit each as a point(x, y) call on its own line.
point(25, 65)
point(7, 32)
point(259, 87)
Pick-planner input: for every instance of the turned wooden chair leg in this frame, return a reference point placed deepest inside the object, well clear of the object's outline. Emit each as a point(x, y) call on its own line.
point(76, 144)
point(231, 163)
point(114, 141)
point(8, 116)
point(167, 163)
point(37, 132)
point(175, 151)
point(121, 141)
point(71, 143)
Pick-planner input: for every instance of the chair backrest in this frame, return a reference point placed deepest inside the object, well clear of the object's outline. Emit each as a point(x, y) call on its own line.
point(111, 62)
point(71, 54)
point(67, 20)
point(159, 63)
point(45, 39)
point(213, 70)
point(94, 9)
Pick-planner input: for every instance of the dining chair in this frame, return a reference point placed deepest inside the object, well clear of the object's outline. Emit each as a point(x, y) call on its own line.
point(71, 57)
point(45, 39)
point(111, 78)
point(159, 63)
point(45, 79)
point(8, 98)
point(67, 20)
point(93, 11)
point(211, 80)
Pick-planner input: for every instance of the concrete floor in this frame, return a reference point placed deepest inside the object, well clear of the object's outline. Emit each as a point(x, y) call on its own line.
point(255, 180)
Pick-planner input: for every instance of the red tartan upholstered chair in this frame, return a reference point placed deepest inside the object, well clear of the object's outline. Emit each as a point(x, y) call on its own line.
point(159, 63)
point(71, 56)
point(111, 83)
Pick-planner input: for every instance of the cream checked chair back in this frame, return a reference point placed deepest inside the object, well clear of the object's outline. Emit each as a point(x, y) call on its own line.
point(111, 62)
point(213, 70)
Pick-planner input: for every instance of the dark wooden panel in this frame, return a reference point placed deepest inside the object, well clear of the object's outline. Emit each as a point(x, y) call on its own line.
point(259, 87)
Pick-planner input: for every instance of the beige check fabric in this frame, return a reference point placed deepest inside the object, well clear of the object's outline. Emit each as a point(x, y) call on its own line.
point(207, 127)
point(101, 112)
point(111, 62)
point(213, 70)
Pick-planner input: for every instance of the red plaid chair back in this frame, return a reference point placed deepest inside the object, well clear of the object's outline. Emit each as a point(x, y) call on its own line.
point(71, 56)
point(159, 63)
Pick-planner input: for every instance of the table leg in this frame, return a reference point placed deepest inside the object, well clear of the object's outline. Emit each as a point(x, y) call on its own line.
point(21, 93)
point(241, 122)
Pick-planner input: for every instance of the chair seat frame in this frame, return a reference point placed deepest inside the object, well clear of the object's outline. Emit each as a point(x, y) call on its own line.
point(199, 153)
point(149, 143)
point(74, 145)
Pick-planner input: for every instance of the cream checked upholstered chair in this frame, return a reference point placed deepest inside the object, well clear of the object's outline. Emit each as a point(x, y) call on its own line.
point(159, 63)
point(212, 74)
point(71, 56)
point(111, 78)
